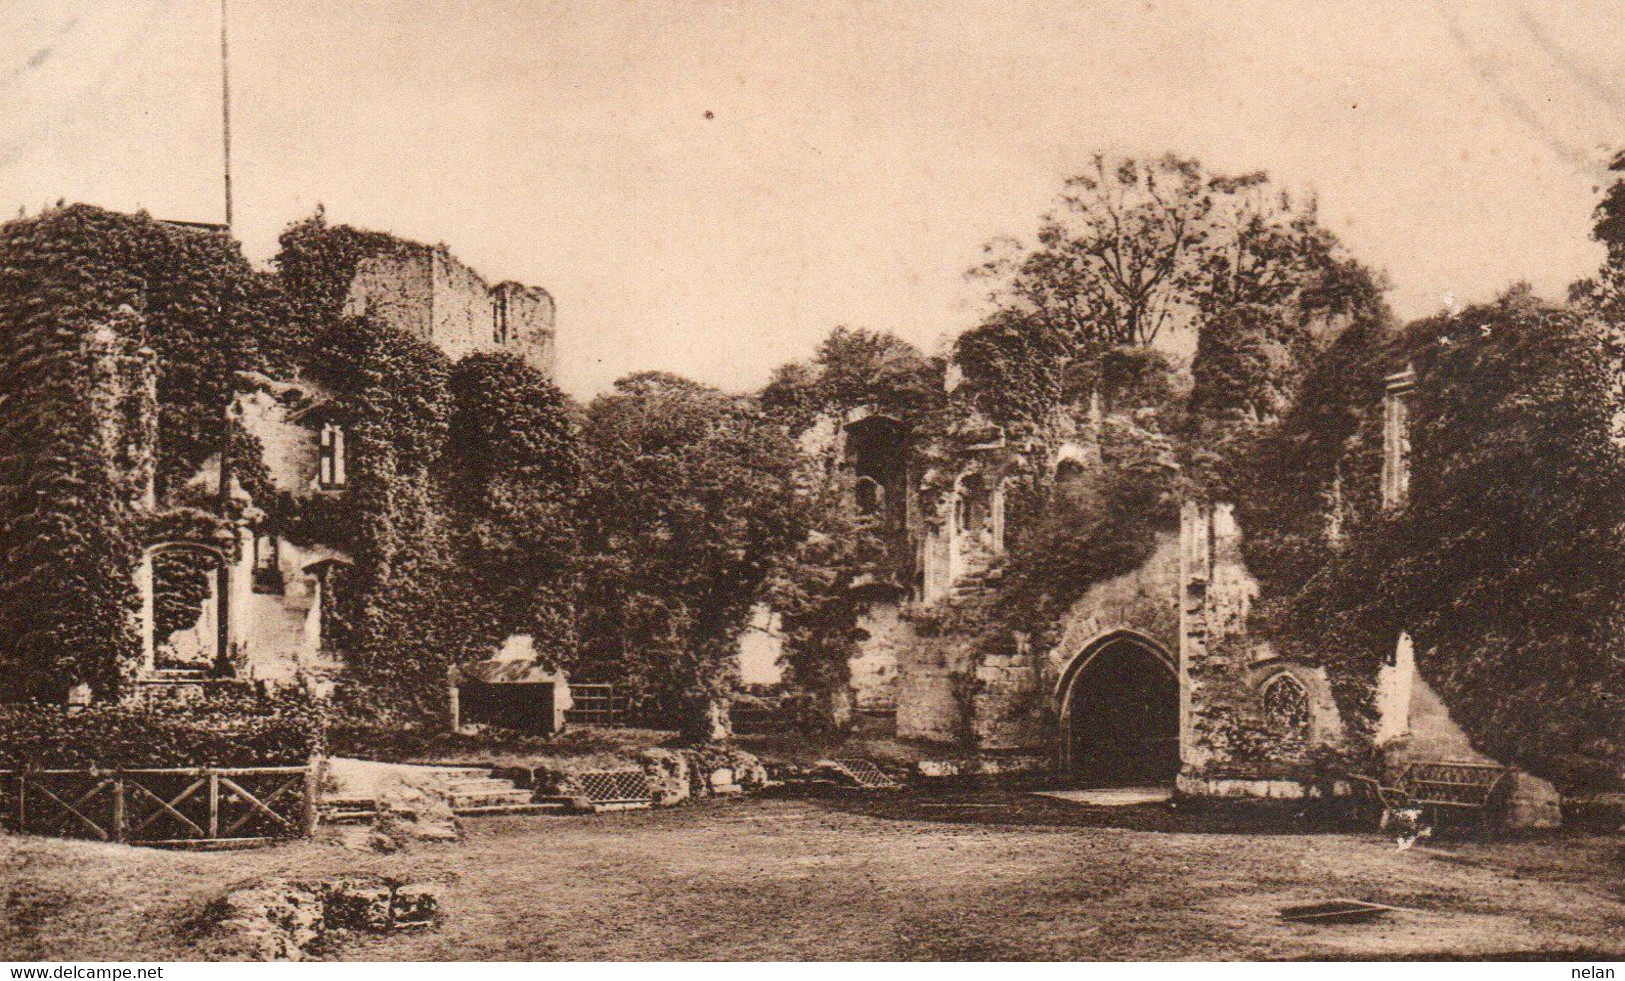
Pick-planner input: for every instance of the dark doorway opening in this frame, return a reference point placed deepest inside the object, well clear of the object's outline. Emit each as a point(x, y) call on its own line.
point(1120, 716)
point(525, 706)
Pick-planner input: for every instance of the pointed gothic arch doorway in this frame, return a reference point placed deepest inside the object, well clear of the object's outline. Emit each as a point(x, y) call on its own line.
point(1118, 702)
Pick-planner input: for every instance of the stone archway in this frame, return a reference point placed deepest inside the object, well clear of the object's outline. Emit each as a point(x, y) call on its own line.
point(180, 585)
point(1118, 704)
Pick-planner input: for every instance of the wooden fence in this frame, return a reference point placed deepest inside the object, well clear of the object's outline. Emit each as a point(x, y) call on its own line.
point(596, 705)
point(178, 807)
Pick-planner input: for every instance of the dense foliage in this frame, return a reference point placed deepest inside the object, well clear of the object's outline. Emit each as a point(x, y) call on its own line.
point(1510, 579)
point(855, 368)
point(1503, 562)
point(513, 470)
point(87, 292)
point(458, 514)
point(819, 591)
point(233, 730)
point(391, 616)
point(688, 507)
point(825, 584)
point(126, 337)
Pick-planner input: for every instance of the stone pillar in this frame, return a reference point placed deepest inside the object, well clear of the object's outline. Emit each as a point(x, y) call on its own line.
point(563, 701)
point(239, 556)
point(149, 614)
point(1396, 438)
point(996, 504)
point(952, 532)
point(936, 558)
point(1195, 571)
point(454, 708)
point(1215, 595)
point(1396, 681)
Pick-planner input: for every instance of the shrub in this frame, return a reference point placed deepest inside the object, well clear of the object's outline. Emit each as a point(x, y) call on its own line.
point(284, 730)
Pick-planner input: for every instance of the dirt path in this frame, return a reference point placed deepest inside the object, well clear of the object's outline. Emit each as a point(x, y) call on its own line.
point(807, 880)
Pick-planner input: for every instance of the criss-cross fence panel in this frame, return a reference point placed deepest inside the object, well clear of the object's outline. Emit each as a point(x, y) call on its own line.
point(169, 806)
point(615, 786)
point(864, 773)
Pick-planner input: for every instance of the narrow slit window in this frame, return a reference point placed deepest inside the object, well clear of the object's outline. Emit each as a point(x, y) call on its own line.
point(332, 457)
point(267, 563)
point(499, 319)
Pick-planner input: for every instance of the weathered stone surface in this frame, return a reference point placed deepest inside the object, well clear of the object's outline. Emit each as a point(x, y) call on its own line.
point(1532, 803)
point(409, 810)
point(706, 762)
point(982, 766)
point(282, 920)
point(668, 775)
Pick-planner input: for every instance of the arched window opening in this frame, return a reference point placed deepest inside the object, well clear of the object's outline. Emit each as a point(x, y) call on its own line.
point(877, 452)
point(974, 515)
point(1286, 707)
point(185, 607)
point(332, 456)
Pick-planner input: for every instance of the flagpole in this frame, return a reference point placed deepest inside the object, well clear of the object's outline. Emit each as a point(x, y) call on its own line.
point(225, 108)
point(223, 583)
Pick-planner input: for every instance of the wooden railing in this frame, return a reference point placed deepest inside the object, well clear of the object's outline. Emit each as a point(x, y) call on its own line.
point(180, 807)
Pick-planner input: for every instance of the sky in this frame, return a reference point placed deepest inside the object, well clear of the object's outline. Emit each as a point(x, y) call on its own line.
point(709, 187)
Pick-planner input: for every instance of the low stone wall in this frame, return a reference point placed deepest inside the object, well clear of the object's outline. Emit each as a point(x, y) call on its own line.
point(983, 767)
point(1234, 787)
point(675, 775)
point(282, 920)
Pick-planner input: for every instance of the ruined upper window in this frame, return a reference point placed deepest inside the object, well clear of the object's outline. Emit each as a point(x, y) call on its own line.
point(499, 319)
point(267, 564)
point(332, 458)
point(1286, 707)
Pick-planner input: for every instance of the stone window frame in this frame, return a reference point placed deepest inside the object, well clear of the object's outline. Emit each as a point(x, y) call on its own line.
point(267, 565)
point(499, 318)
point(331, 472)
point(1300, 729)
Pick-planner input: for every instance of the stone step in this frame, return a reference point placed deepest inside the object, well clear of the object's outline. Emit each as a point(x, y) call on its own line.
point(492, 810)
point(484, 785)
point(349, 817)
point(453, 772)
point(490, 798)
point(350, 803)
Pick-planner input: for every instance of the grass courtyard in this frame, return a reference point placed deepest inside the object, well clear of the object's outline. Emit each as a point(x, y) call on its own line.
point(808, 880)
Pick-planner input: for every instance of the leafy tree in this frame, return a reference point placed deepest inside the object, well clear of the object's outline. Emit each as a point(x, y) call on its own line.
point(852, 368)
point(1141, 249)
point(1605, 291)
point(688, 507)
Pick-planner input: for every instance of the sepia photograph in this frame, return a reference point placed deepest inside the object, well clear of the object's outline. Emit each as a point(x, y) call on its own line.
point(787, 481)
